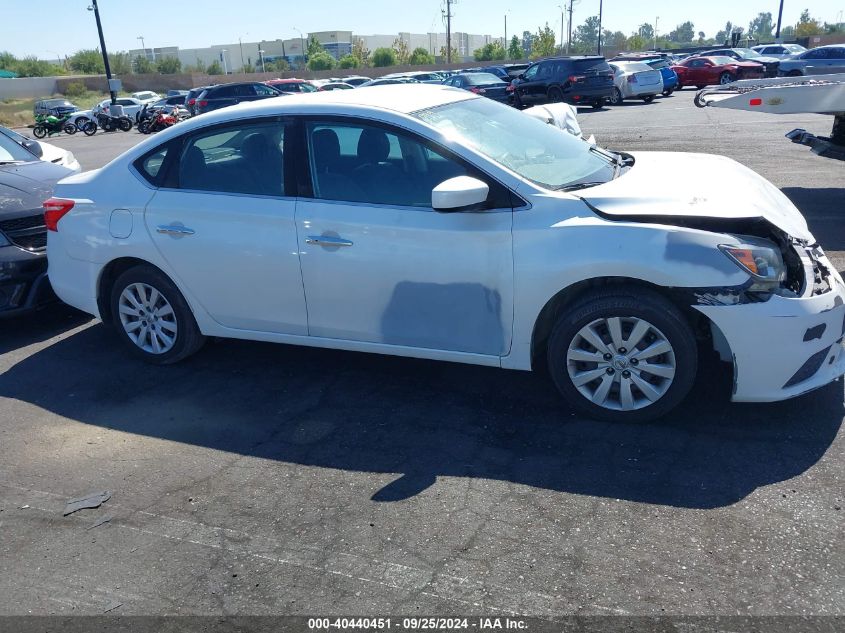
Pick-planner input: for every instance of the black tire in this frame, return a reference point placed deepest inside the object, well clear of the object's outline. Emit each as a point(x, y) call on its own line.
point(598, 104)
point(725, 78)
point(144, 126)
point(554, 95)
point(39, 131)
point(648, 98)
point(794, 73)
point(616, 98)
point(701, 86)
point(90, 129)
point(125, 124)
point(80, 123)
point(188, 338)
point(680, 86)
point(668, 92)
point(633, 302)
point(69, 128)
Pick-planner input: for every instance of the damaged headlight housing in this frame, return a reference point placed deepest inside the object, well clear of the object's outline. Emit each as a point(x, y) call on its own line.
point(760, 258)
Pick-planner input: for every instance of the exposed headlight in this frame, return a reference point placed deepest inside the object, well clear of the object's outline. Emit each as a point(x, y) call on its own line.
point(760, 258)
point(70, 159)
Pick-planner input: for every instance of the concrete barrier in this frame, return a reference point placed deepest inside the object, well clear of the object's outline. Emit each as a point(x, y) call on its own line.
point(27, 87)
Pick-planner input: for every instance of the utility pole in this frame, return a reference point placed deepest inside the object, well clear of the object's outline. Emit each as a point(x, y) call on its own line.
point(598, 52)
point(506, 34)
point(241, 44)
point(96, 11)
point(569, 33)
point(780, 15)
point(449, 31)
point(656, 18)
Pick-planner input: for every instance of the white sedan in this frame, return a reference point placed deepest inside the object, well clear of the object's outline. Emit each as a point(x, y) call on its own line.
point(426, 221)
point(44, 151)
point(635, 80)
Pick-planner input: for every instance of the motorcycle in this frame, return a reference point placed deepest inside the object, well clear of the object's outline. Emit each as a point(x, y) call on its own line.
point(157, 121)
point(52, 124)
point(110, 123)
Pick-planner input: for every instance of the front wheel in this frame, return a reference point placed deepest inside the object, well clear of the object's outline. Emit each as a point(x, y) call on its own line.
point(69, 128)
point(648, 98)
point(80, 123)
point(598, 104)
point(144, 126)
point(125, 124)
point(668, 92)
point(152, 317)
point(90, 128)
point(623, 355)
point(39, 131)
point(725, 78)
point(616, 98)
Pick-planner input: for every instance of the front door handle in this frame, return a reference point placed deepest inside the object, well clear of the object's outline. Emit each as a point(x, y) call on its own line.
point(174, 229)
point(327, 240)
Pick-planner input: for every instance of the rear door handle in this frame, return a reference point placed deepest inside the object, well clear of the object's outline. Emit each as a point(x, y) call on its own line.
point(174, 229)
point(327, 240)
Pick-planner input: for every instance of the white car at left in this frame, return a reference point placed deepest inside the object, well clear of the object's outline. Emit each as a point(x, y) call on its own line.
point(131, 108)
point(430, 222)
point(45, 151)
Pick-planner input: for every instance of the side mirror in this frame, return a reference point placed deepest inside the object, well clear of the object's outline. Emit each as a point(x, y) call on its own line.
point(521, 76)
point(457, 194)
point(34, 147)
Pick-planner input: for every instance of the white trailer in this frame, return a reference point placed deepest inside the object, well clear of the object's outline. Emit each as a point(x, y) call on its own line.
point(819, 94)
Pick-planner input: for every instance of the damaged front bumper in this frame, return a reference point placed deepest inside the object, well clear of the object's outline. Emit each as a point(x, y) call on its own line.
point(785, 346)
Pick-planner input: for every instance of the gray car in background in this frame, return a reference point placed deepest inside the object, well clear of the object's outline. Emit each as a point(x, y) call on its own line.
point(816, 61)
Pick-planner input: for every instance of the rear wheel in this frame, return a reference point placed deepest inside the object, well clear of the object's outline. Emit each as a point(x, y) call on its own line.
point(152, 317)
point(668, 92)
point(555, 95)
point(793, 73)
point(648, 98)
point(69, 128)
point(725, 78)
point(701, 86)
point(125, 124)
point(623, 355)
point(80, 122)
point(597, 104)
point(39, 131)
point(90, 128)
point(144, 126)
point(616, 98)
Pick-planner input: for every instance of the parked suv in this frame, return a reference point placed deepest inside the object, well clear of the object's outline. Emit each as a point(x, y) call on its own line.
point(575, 80)
point(816, 61)
point(57, 107)
point(230, 94)
point(191, 97)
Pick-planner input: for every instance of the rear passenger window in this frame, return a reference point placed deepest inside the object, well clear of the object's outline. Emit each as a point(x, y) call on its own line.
point(149, 166)
point(245, 158)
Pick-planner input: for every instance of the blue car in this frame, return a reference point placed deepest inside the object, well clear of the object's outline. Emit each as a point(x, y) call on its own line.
point(658, 62)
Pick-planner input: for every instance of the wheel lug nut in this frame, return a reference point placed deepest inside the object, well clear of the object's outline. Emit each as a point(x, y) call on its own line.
point(626, 374)
point(622, 350)
point(608, 356)
point(609, 371)
point(634, 361)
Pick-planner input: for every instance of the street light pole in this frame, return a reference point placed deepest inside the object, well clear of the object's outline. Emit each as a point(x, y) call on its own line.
point(143, 46)
point(223, 55)
point(656, 18)
point(598, 52)
point(569, 33)
point(562, 12)
point(301, 46)
point(96, 11)
point(261, 56)
point(780, 15)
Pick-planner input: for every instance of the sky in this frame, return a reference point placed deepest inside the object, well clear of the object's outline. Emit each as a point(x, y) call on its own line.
point(199, 23)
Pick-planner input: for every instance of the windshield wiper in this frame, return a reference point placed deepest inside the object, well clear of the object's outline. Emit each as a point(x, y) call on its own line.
point(581, 185)
point(11, 162)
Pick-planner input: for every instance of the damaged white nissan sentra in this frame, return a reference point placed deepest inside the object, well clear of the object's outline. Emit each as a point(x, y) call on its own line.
point(426, 221)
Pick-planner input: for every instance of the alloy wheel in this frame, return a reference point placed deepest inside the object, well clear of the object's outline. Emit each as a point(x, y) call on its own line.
point(147, 318)
point(621, 363)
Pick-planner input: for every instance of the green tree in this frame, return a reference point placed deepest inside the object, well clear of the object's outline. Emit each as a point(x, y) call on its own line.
point(87, 62)
point(143, 66)
point(586, 37)
point(646, 31)
point(683, 33)
point(168, 65)
point(383, 57)
point(492, 51)
point(314, 47)
point(544, 43)
point(637, 43)
point(278, 65)
point(360, 52)
point(320, 61)
point(348, 61)
point(248, 69)
point(515, 48)
point(807, 25)
point(725, 34)
point(761, 27)
point(788, 32)
point(31, 66)
point(456, 55)
point(7, 60)
point(615, 40)
point(199, 67)
point(121, 63)
point(214, 68)
point(701, 37)
point(400, 47)
point(420, 57)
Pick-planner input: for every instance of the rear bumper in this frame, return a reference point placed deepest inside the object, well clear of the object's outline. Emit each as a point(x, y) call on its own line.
point(23, 281)
point(587, 95)
point(784, 347)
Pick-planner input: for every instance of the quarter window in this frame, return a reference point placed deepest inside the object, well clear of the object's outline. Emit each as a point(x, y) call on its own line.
point(242, 159)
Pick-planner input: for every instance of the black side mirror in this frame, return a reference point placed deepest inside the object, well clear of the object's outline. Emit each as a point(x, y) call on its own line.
point(34, 147)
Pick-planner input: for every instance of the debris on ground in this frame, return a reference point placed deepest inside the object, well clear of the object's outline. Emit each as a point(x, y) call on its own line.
point(112, 606)
point(99, 522)
point(92, 500)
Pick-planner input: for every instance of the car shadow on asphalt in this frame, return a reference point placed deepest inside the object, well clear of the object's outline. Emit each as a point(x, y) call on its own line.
point(422, 420)
point(28, 329)
point(824, 209)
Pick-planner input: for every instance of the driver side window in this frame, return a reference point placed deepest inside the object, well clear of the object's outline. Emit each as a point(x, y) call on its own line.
point(531, 73)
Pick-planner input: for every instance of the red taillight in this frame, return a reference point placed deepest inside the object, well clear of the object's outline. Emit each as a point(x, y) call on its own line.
point(755, 102)
point(478, 91)
point(510, 88)
point(191, 101)
point(574, 78)
point(202, 103)
point(54, 210)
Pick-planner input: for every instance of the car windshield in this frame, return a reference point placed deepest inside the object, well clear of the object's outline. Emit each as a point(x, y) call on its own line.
point(543, 154)
point(721, 61)
point(481, 79)
point(794, 48)
point(12, 152)
point(658, 63)
point(747, 53)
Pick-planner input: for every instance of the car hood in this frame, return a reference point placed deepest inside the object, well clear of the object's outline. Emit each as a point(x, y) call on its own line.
point(671, 184)
point(24, 187)
point(764, 60)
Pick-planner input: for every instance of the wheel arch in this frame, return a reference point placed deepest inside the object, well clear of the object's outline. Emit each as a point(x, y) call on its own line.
point(569, 296)
point(109, 275)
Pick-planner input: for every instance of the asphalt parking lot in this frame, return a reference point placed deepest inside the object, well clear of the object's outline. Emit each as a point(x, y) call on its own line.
point(267, 479)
